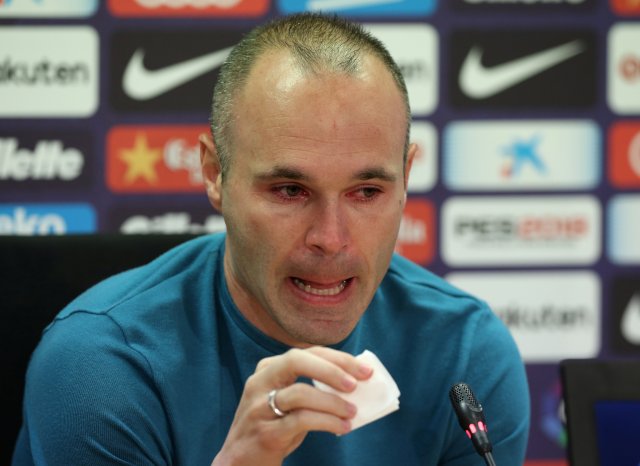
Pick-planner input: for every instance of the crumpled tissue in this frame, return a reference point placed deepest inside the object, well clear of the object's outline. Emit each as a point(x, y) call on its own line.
point(375, 397)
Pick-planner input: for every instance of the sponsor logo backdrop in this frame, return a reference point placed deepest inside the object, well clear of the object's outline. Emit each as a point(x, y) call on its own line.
point(526, 190)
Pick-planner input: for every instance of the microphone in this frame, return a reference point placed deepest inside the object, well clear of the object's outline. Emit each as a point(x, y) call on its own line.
point(471, 419)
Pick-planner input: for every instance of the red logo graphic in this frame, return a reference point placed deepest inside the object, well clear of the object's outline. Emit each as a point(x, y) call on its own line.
point(416, 240)
point(630, 67)
point(191, 8)
point(626, 7)
point(154, 159)
point(624, 154)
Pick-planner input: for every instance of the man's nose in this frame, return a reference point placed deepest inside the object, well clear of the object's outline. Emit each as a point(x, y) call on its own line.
point(328, 231)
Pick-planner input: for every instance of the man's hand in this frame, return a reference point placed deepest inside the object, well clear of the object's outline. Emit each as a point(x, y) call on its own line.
point(259, 436)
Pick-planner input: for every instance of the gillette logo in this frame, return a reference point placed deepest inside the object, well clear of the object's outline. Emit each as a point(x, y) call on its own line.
point(49, 160)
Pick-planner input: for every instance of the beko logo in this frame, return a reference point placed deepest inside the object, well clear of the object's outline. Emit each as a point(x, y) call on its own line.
point(49, 160)
point(551, 315)
point(174, 70)
point(45, 219)
point(48, 71)
point(521, 230)
point(514, 68)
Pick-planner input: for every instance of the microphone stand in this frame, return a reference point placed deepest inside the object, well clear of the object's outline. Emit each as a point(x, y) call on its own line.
point(488, 458)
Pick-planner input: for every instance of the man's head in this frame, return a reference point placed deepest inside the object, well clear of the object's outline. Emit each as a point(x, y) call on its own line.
point(315, 178)
point(317, 44)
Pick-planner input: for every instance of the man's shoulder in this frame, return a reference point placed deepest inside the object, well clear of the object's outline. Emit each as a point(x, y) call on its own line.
point(155, 278)
point(413, 279)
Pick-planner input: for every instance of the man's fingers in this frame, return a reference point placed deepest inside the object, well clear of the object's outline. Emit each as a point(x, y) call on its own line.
point(305, 421)
point(302, 396)
point(335, 368)
point(360, 370)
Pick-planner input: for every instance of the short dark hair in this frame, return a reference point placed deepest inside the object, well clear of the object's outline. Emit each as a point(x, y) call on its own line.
point(316, 42)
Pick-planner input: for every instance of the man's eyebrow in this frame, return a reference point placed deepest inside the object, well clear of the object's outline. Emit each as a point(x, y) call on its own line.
point(282, 172)
point(374, 173)
point(290, 173)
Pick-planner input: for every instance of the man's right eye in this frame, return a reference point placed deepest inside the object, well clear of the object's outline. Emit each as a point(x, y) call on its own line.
point(290, 192)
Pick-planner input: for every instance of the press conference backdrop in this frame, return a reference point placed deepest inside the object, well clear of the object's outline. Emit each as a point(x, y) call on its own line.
point(526, 189)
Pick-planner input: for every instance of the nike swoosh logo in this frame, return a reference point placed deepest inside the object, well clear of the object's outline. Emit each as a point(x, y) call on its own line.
point(317, 5)
point(139, 83)
point(479, 82)
point(630, 324)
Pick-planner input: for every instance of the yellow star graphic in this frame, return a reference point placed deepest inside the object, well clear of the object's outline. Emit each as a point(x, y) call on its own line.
point(140, 160)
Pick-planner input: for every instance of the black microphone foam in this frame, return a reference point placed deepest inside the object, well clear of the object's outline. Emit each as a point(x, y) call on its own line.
point(470, 416)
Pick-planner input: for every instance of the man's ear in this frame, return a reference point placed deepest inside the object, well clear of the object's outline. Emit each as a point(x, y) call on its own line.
point(411, 154)
point(211, 170)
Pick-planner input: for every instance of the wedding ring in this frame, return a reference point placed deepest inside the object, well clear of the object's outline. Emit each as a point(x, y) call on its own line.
point(272, 404)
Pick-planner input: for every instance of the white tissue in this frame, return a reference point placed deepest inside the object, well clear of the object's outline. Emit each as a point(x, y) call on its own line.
point(375, 397)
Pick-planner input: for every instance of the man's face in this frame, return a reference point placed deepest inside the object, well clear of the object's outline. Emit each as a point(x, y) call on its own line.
point(313, 198)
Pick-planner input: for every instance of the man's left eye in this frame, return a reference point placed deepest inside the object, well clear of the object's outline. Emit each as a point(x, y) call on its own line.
point(291, 191)
point(367, 192)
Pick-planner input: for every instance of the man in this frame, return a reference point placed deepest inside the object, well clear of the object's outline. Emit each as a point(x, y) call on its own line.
point(204, 355)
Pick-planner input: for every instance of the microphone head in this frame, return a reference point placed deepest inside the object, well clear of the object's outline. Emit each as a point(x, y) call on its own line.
point(470, 416)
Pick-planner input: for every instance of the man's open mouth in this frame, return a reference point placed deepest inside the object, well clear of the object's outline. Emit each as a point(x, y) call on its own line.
point(321, 290)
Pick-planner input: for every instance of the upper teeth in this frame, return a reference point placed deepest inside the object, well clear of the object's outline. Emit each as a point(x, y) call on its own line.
point(320, 292)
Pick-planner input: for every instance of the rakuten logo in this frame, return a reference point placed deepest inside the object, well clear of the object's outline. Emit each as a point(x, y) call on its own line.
point(154, 159)
point(521, 230)
point(47, 8)
point(551, 315)
point(46, 219)
point(49, 160)
point(623, 68)
point(171, 223)
point(188, 7)
point(48, 71)
point(419, 65)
